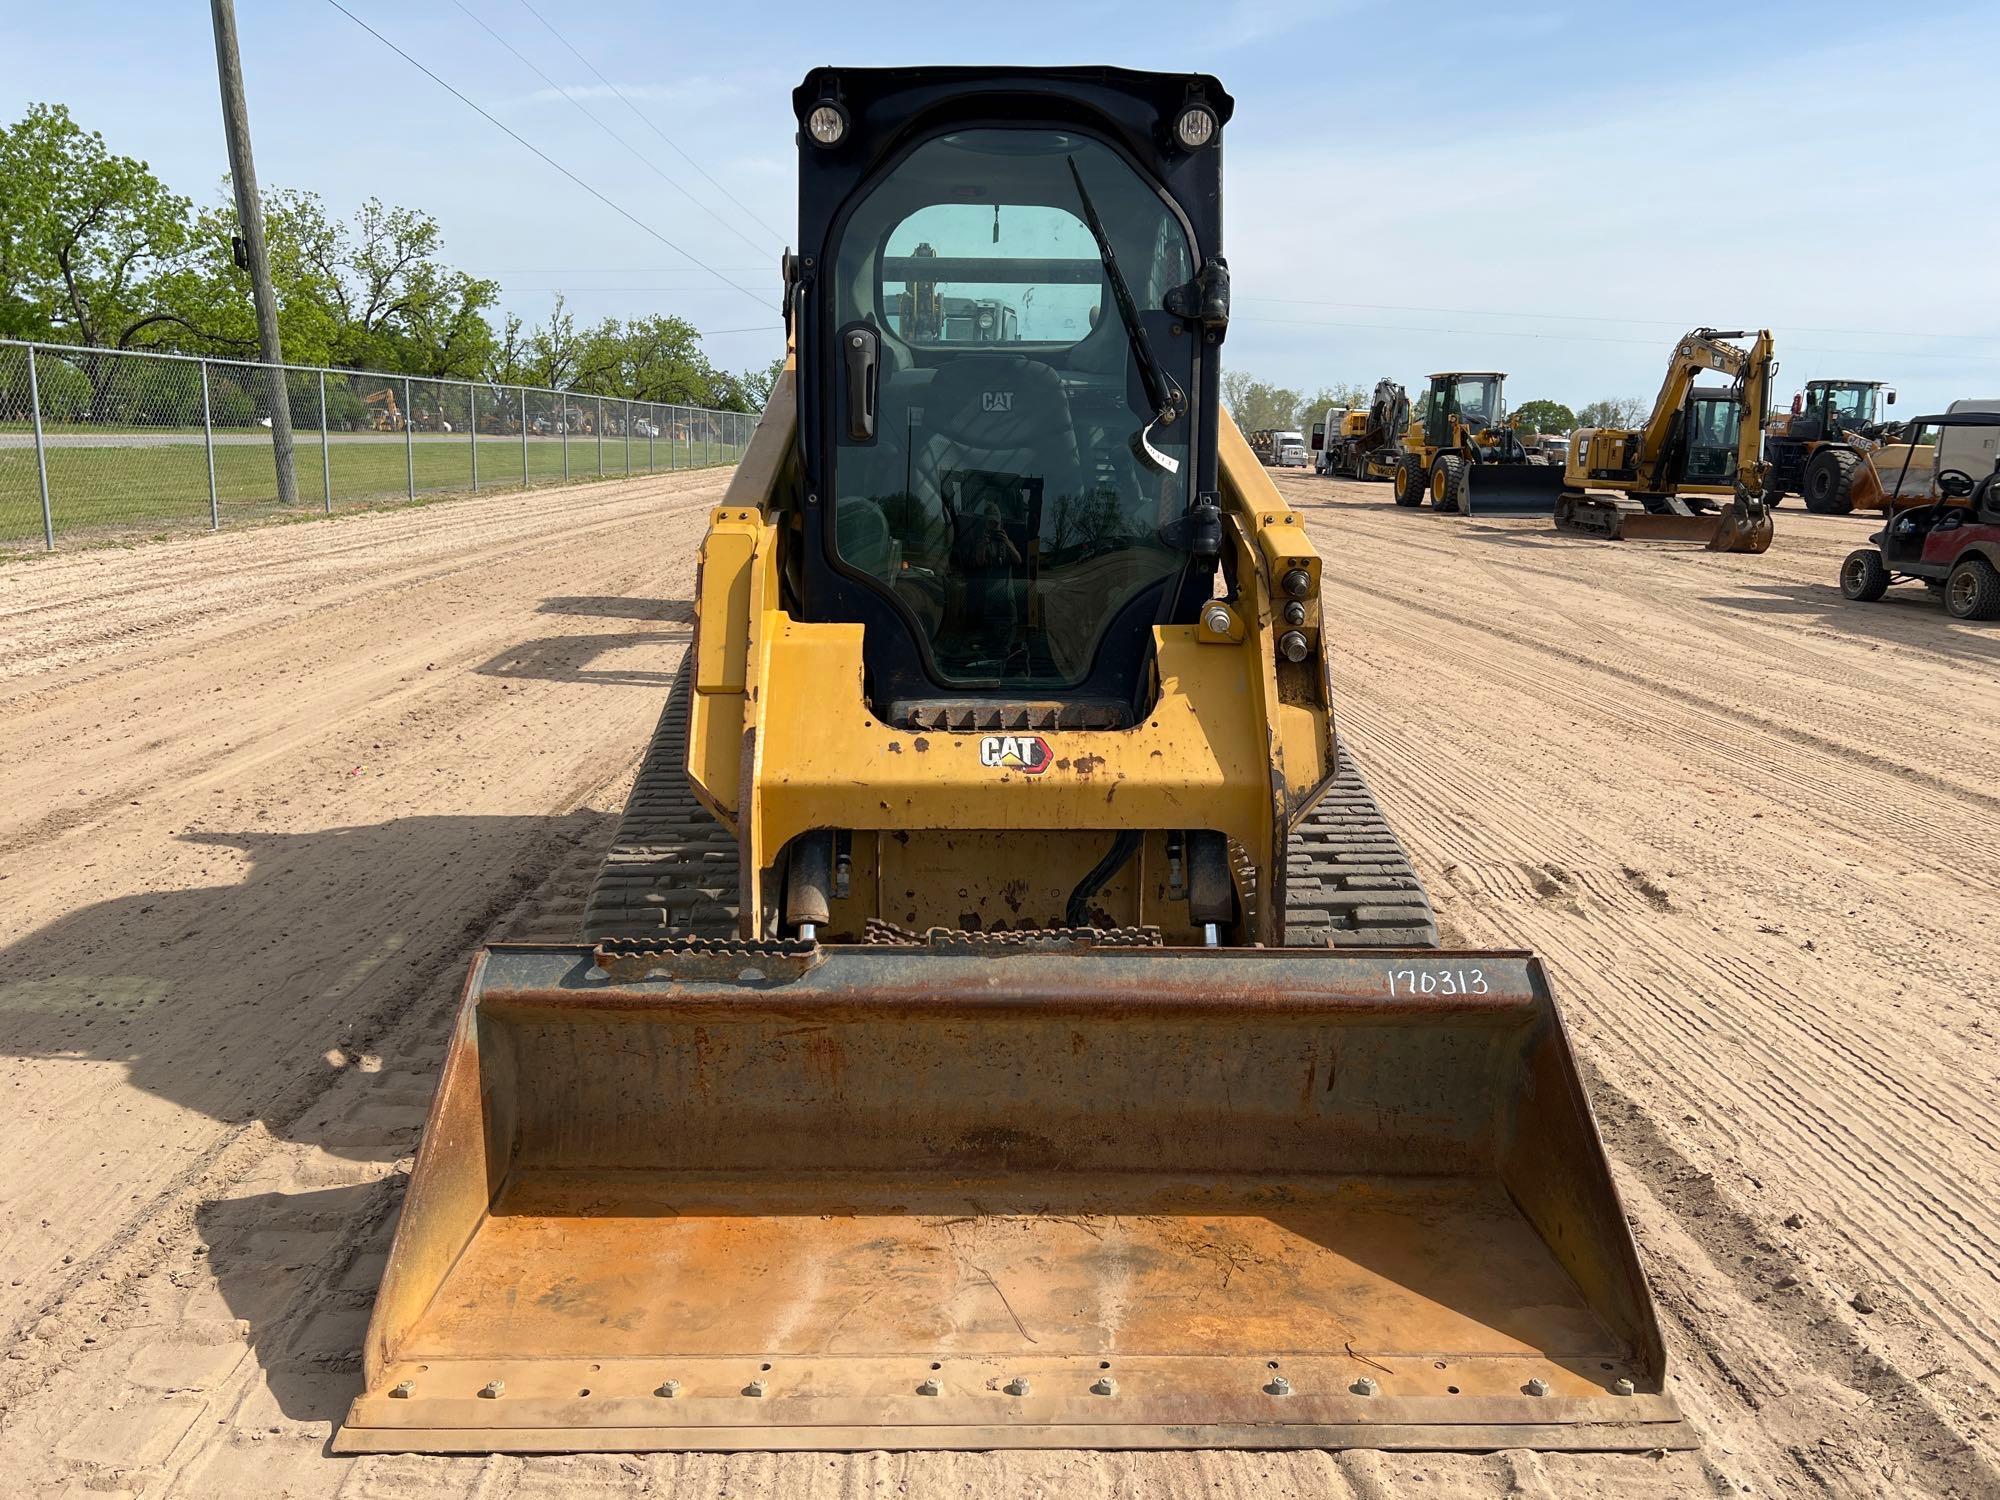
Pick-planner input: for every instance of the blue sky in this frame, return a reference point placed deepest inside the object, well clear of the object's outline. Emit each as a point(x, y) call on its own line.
point(1552, 190)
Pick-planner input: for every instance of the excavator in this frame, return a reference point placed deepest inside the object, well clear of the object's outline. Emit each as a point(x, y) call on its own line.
point(1004, 1017)
point(387, 418)
point(1366, 443)
point(1643, 470)
point(1459, 440)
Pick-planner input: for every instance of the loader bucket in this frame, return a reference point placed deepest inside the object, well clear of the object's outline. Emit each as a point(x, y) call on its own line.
point(770, 1196)
point(1514, 488)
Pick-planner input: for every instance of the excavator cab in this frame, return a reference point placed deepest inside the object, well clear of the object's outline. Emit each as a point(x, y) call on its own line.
point(1004, 1017)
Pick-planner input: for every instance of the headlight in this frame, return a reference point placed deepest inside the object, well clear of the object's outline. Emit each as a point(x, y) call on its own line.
point(827, 124)
point(1196, 127)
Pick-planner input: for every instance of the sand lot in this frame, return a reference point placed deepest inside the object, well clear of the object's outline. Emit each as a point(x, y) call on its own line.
point(266, 790)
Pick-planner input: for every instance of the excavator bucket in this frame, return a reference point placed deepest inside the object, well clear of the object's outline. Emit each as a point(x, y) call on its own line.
point(1045, 1193)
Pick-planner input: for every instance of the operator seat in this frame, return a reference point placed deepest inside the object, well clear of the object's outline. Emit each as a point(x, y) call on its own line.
point(995, 454)
point(997, 414)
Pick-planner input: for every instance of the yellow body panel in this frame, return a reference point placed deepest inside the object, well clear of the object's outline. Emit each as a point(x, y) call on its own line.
point(783, 741)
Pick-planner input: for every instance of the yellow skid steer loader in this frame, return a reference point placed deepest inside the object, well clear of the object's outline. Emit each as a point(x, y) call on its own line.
point(1005, 1018)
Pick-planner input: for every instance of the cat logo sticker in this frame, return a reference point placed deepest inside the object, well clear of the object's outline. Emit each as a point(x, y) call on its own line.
point(996, 400)
point(1028, 753)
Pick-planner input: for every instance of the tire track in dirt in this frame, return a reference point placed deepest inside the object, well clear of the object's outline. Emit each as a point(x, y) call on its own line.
point(1951, 1211)
point(1711, 1012)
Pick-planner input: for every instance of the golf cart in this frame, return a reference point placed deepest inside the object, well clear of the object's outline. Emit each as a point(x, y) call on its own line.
point(1950, 542)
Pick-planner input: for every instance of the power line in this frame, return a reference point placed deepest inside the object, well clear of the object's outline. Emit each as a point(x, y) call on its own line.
point(530, 146)
point(1583, 338)
point(578, 104)
point(1475, 312)
point(647, 121)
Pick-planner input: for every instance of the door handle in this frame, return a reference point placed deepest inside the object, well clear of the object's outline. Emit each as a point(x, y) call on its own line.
point(862, 350)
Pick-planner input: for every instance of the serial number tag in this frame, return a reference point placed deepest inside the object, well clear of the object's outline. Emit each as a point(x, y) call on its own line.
point(1437, 982)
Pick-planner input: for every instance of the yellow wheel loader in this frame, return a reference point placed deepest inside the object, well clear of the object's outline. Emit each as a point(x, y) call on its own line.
point(1631, 484)
point(1461, 451)
point(1004, 1018)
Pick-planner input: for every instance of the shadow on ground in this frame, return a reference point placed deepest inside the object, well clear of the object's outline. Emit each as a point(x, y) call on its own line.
point(598, 658)
point(1906, 615)
point(286, 997)
point(611, 607)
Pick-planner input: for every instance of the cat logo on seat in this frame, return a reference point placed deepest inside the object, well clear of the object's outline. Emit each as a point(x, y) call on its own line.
point(996, 400)
point(1028, 753)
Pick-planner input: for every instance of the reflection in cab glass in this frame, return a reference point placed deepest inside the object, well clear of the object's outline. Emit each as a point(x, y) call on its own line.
point(1003, 497)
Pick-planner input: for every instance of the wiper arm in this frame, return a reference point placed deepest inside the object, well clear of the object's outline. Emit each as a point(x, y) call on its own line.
point(1169, 401)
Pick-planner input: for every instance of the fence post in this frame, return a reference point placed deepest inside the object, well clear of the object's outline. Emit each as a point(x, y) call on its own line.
point(600, 437)
point(472, 425)
point(628, 439)
point(652, 433)
point(522, 392)
point(208, 445)
point(409, 443)
point(562, 405)
point(41, 457)
point(325, 450)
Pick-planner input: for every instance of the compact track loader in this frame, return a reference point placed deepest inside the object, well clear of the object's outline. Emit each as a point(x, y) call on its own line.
point(1005, 1018)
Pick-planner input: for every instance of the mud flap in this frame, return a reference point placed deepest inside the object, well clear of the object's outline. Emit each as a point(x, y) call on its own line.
point(751, 1196)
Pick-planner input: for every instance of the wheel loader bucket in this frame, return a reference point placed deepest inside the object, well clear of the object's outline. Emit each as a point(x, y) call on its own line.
point(1514, 488)
point(769, 1196)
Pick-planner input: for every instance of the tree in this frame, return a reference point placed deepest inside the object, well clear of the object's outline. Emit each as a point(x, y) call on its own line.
point(84, 236)
point(1614, 411)
point(1258, 404)
point(1314, 408)
point(1532, 417)
point(758, 384)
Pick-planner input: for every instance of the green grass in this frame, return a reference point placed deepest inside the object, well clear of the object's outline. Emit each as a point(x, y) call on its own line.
point(122, 488)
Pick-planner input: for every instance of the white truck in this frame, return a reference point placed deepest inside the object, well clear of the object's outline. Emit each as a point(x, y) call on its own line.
point(1288, 450)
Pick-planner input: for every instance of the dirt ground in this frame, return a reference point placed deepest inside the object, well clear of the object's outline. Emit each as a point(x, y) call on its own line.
point(266, 790)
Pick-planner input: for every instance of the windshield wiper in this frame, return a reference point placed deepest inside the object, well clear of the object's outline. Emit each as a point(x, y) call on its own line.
point(1169, 401)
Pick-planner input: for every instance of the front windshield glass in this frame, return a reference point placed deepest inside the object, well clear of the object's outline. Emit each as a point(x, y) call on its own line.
point(1714, 424)
point(1476, 399)
point(1853, 405)
point(1001, 498)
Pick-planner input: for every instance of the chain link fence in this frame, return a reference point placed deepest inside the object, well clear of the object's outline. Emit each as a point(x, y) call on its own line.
point(102, 442)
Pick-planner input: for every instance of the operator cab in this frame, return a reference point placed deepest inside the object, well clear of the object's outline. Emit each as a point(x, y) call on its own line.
point(1018, 278)
point(1831, 407)
point(1474, 398)
point(1714, 419)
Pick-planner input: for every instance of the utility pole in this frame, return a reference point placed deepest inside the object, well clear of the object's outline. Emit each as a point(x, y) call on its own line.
point(250, 216)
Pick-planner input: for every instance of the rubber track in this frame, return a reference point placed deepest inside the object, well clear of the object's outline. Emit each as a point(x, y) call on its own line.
point(1349, 882)
point(671, 869)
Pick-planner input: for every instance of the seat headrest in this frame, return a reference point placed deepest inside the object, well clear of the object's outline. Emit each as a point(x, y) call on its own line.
point(996, 401)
